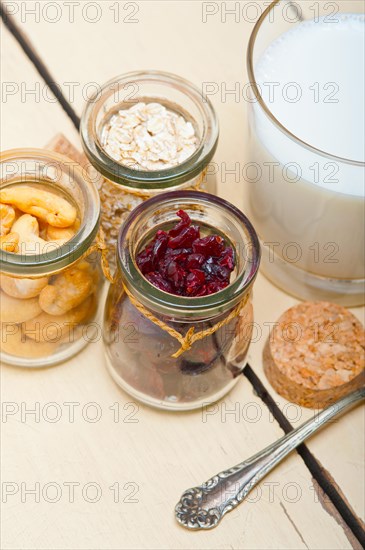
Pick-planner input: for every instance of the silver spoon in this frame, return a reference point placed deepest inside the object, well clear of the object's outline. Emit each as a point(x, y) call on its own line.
point(203, 507)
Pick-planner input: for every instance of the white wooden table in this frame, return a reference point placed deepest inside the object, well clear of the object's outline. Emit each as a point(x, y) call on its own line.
point(108, 476)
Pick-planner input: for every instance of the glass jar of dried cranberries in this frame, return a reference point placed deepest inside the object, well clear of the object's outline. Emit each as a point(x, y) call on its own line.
point(178, 318)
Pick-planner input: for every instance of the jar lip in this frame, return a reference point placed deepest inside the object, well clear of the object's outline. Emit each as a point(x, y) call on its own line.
point(265, 107)
point(143, 179)
point(70, 251)
point(230, 296)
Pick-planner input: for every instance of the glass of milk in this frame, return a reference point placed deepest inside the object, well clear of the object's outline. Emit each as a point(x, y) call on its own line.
point(306, 121)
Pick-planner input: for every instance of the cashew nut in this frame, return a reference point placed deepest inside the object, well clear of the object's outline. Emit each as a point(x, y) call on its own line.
point(67, 291)
point(47, 206)
point(9, 242)
point(13, 342)
point(22, 288)
point(13, 310)
point(60, 233)
point(7, 217)
point(43, 226)
point(51, 328)
point(27, 228)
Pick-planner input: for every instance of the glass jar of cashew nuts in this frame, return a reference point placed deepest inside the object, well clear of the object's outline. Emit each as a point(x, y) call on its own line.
point(50, 275)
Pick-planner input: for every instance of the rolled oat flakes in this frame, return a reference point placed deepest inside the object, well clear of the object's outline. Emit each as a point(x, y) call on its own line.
point(149, 137)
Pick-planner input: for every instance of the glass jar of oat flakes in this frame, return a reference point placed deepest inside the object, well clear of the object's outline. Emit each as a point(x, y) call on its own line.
point(146, 133)
point(50, 275)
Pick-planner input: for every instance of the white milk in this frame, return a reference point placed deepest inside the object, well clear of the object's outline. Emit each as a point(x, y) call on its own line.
point(312, 80)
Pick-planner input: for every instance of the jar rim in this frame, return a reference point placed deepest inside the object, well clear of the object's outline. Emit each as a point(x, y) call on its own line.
point(266, 109)
point(164, 302)
point(70, 251)
point(143, 179)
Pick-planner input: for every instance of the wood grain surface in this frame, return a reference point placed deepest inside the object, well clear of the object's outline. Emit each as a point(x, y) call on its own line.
point(129, 467)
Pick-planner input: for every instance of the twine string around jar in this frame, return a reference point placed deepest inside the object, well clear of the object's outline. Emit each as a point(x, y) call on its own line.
point(186, 341)
point(191, 336)
point(100, 246)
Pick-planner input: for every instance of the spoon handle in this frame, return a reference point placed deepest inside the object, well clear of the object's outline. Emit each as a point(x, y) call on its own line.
point(204, 506)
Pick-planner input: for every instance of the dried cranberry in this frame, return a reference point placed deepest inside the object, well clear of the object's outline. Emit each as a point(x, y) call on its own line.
point(179, 254)
point(182, 263)
point(144, 262)
point(227, 258)
point(216, 286)
point(222, 273)
point(202, 291)
point(194, 261)
point(215, 271)
point(194, 281)
point(208, 266)
point(159, 247)
point(185, 222)
point(185, 238)
point(176, 275)
point(212, 245)
point(157, 280)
